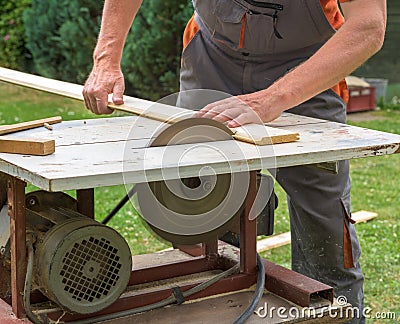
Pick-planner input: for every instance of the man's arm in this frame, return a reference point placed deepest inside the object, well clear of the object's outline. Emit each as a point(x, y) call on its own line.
point(359, 38)
point(106, 76)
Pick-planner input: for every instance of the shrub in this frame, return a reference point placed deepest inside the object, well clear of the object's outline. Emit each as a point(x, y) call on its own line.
point(61, 35)
point(13, 53)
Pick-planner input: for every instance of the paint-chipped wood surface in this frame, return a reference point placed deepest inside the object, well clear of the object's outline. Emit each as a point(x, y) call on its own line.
point(111, 151)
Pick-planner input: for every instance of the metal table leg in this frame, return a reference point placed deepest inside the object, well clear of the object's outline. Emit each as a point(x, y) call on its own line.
point(248, 230)
point(17, 213)
point(85, 198)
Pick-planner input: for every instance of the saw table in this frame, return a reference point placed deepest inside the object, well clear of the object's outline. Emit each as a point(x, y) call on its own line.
point(98, 152)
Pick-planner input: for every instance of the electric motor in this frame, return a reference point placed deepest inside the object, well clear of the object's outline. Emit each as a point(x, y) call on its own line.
point(82, 265)
point(79, 264)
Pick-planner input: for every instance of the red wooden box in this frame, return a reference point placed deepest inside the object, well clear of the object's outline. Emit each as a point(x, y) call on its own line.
point(361, 99)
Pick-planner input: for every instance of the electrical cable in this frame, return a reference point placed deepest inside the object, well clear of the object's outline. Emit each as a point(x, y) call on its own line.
point(170, 300)
point(258, 293)
point(27, 285)
point(122, 202)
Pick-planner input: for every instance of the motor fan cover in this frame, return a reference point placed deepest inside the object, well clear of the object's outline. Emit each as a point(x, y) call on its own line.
point(82, 265)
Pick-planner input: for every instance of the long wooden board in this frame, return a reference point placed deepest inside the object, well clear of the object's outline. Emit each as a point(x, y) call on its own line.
point(255, 134)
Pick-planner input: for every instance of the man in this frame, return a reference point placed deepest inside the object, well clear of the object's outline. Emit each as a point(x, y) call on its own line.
point(273, 56)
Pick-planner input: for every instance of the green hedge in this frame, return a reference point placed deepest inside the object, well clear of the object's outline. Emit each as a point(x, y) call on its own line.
point(13, 53)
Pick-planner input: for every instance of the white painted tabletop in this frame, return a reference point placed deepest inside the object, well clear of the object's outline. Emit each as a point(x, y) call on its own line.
point(97, 152)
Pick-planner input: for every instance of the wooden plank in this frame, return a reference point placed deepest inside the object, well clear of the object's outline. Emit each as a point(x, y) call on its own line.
point(273, 242)
point(278, 240)
point(66, 89)
point(254, 134)
point(7, 129)
point(29, 146)
point(153, 110)
point(363, 216)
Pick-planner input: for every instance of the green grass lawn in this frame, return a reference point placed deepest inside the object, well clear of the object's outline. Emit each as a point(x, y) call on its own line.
point(375, 188)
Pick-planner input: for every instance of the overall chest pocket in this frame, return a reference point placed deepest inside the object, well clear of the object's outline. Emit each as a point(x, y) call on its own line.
point(224, 20)
point(261, 27)
point(235, 25)
point(260, 33)
point(229, 19)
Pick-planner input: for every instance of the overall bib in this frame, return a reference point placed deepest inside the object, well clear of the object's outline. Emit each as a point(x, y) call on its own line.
point(243, 46)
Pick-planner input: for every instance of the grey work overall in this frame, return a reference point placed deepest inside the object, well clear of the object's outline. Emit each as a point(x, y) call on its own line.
point(277, 38)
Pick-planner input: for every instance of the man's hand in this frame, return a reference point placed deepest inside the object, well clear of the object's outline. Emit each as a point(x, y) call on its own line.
point(106, 76)
point(253, 108)
point(99, 85)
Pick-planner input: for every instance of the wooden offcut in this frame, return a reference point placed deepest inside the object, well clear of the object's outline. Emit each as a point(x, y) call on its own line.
point(254, 134)
point(273, 242)
point(7, 129)
point(28, 146)
point(263, 135)
point(363, 216)
point(278, 240)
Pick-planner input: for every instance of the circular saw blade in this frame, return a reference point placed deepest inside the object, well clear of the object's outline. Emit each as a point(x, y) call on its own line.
point(196, 209)
point(192, 130)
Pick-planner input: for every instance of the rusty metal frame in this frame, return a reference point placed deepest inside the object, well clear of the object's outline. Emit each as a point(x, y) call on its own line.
point(294, 286)
point(134, 300)
point(17, 213)
point(171, 270)
point(212, 255)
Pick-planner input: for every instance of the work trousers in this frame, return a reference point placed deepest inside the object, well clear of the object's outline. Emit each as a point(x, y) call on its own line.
point(319, 201)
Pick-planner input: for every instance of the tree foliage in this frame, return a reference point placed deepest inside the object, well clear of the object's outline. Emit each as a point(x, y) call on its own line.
point(151, 59)
point(61, 35)
point(13, 53)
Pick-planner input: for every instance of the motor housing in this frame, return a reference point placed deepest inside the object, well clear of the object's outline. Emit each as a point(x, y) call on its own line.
point(82, 265)
point(79, 264)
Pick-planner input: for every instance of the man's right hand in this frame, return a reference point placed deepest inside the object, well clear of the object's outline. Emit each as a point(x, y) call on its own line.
point(99, 85)
point(106, 76)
